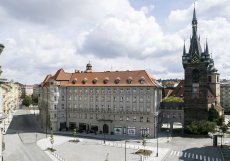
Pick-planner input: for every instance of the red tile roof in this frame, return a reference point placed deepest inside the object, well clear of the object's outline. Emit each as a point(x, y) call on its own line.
point(109, 78)
point(179, 90)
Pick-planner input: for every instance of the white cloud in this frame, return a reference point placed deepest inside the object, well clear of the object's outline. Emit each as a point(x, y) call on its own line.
point(43, 36)
point(211, 24)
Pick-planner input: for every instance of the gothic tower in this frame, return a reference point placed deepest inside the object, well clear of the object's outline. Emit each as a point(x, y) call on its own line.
point(195, 63)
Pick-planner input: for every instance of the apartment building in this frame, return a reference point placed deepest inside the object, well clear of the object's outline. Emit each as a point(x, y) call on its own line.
point(225, 96)
point(111, 102)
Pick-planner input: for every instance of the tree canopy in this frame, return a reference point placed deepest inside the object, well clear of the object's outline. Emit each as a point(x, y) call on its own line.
point(213, 114)
point(201, 127)
point(27, 101)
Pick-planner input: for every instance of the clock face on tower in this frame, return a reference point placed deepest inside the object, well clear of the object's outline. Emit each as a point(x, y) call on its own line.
point(195, 59)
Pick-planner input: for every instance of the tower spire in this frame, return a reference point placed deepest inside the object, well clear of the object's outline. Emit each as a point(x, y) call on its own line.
point(194, 12)
point(194, 21)
point(195, 47)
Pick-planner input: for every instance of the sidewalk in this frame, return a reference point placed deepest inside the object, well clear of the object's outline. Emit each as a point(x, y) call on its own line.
point(162, 137)
point(6, 122)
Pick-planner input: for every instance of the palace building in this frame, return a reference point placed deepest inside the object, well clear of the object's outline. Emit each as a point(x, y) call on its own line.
point(202, 83)
point(110, 102)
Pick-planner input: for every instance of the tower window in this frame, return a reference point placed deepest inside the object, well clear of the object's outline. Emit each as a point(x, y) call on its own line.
point(209, 79)
point(195, 83)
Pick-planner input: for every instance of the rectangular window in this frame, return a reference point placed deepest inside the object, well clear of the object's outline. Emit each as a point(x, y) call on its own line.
point(121, 118)
point(134, 119)
point(148, 120)
point(141, 119)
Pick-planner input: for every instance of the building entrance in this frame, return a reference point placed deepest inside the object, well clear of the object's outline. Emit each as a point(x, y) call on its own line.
point(105, 129)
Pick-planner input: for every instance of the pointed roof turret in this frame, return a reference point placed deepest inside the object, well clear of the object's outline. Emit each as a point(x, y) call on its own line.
point(88, 68)
point(184, 50)
point(206, 48)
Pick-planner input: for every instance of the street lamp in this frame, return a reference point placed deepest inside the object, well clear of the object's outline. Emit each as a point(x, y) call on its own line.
point(4, 126)
point(221, 145)
point(167, 128)
point(1, 142)
point(103, 128)
point(125, 148)
point(156, 129)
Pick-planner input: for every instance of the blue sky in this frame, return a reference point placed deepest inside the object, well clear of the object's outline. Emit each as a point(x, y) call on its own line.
point(42, 36)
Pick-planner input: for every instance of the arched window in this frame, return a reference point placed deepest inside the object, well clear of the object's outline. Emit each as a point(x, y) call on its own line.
point(195, 83)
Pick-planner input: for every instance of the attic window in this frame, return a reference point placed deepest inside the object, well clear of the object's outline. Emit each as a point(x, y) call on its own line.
point(74, 81)
point(129, 80)
point(142, 80)
point(106, 80)
point(84, 81)
point(117, 80)
point(94, 81)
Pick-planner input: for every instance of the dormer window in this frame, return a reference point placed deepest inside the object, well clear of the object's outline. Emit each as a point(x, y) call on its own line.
point(94, 81)
point(84, 81)
point(106, 80)
point(74, 81)
point(129, 80)
point(142, 80)
point(117, 80)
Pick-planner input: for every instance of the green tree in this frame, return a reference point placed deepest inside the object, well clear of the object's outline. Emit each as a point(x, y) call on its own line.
point(27, 101)
point(201, 127)
point(52, 140)
point(224, 128)
point(75, 133)
point(213, 115)
point(173, 99)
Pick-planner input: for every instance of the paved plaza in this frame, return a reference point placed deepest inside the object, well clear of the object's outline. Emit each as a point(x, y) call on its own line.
point(25, 142)
point(96, 150)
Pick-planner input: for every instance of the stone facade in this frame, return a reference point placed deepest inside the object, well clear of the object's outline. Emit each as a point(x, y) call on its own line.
point(120, 102)
point(10, 96)
point(201, 85)
point(225, 96)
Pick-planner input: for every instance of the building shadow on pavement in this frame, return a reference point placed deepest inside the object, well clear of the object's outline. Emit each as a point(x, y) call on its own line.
point(207, 153)
point(26, 123)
